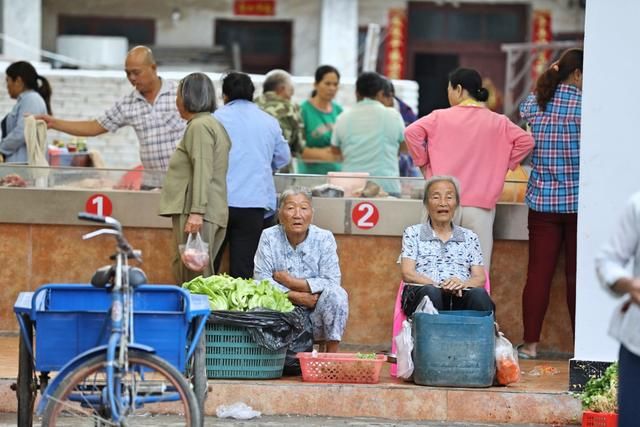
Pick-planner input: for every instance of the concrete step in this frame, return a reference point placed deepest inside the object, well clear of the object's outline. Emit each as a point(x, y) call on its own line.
point(541, 397)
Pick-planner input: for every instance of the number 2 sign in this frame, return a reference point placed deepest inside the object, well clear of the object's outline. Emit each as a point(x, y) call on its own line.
point(98, 204)
point(365, 215)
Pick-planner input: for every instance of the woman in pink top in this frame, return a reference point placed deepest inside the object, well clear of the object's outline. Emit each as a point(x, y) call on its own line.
point(475, 145)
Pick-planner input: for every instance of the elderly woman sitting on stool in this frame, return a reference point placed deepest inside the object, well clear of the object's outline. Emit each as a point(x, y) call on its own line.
point(301, 259)
point(442, 260)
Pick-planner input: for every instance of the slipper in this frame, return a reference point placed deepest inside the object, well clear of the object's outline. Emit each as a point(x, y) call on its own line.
point(523, 355)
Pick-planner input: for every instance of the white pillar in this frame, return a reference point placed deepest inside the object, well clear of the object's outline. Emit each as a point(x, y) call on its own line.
point(339, 36)
point(609, 159)
point(22, 21)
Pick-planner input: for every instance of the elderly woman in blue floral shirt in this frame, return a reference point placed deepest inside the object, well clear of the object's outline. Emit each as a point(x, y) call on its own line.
point(301, 259)
point(442, 260)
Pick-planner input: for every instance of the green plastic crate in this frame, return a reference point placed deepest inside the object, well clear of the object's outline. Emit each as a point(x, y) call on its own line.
point(232, 353)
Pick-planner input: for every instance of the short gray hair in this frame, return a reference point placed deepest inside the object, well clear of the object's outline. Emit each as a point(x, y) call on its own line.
point(274, 79)
point(294, 191)
point(198, 94)
point(439, 178)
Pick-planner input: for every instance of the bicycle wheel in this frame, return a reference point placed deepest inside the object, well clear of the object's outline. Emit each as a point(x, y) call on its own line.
point(199, 373)
point(155, 386)
point(26, 384)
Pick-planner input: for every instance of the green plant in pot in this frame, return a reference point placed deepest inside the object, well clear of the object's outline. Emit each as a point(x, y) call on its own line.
point(601, 393)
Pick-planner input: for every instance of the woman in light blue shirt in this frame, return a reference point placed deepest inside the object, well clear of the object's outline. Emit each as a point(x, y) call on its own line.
point(31, 98)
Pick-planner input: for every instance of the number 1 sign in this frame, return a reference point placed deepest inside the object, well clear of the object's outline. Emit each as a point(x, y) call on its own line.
point(365, 215)
point(98, 204)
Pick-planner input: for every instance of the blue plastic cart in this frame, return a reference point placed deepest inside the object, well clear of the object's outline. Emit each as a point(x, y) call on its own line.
point(69, 319)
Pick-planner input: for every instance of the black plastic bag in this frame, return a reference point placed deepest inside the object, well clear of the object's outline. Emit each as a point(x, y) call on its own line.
point(270, 329)
point(302, 342)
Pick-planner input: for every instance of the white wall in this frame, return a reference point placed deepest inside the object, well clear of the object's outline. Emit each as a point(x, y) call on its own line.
point(196, 28)
point(303, 14)
point(21, 21)
point(610, 151)
point(339, 36)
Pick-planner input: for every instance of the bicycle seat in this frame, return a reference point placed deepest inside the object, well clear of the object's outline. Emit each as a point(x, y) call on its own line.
point(103, 277)
point(137, 277)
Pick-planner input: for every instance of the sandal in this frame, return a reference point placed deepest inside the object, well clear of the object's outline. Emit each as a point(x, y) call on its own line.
point(523, 355)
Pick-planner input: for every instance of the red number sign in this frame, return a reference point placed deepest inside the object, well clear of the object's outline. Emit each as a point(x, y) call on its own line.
point(255, 7)
point(98, 204)
point(365, 215)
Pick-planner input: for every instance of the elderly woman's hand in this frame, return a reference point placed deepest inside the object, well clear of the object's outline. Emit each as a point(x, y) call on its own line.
point(194, 223)
point(304, 299)
point(453, 285)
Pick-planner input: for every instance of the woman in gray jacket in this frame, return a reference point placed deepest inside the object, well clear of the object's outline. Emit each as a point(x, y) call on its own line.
point(31, 98)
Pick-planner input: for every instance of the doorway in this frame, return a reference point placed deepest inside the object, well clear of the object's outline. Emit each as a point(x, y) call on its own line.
point(264, 45)
point(431, 71)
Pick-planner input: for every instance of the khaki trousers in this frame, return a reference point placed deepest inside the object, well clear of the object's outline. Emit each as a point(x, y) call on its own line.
point(210, 233)
point(480, 221)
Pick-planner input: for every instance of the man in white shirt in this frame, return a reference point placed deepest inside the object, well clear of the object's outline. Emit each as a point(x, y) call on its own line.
point(611, 266)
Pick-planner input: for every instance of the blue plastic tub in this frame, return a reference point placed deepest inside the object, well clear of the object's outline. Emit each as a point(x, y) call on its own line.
point(70, 319)
point(454, 348)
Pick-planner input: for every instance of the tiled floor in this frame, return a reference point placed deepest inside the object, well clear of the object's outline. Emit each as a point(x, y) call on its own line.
point(537, 375)
point(8, 357)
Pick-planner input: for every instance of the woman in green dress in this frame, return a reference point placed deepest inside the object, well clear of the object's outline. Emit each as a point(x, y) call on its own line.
point(319, 114)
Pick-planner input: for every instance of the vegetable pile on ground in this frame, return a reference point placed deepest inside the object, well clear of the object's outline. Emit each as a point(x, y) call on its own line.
point(228, 293)
point(601, 393)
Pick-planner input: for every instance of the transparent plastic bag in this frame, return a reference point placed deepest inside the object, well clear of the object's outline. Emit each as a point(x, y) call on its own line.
point(238, 410)
point(507, 366)
point(195, 253)
point(426, 306)
point(404, 345)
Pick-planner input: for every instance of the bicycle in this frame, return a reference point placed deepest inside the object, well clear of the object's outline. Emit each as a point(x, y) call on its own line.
point(112, 383)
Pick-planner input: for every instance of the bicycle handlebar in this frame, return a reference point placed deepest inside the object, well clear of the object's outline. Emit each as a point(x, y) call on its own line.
point(117, 232)
point(112, 222)
point(92, 217)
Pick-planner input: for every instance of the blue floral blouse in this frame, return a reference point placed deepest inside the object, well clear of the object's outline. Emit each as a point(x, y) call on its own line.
point(440, 260)
point(315, 259)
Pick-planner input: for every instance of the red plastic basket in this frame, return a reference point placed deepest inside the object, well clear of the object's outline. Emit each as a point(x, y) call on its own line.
point(599, 419)
point(340, 368)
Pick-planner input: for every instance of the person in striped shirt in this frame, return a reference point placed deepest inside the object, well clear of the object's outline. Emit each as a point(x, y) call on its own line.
point(150, 109)
point(553, 113)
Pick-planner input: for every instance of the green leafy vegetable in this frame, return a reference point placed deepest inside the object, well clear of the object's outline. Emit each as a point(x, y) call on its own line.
point(601, 393)
point(228, 293)
point(365, 355)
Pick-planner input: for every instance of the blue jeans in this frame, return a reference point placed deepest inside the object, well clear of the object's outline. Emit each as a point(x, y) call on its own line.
point(628, 388)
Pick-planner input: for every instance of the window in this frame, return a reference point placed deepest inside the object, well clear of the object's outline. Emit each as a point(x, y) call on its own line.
point(471, 23)
point(136, 30)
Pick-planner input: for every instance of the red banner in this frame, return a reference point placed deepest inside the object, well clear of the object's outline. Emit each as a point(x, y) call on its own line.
point(541, 34)
point(396, 44)
point(254, 7)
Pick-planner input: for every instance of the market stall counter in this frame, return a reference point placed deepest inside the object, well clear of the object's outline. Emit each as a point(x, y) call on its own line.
point(42, 239)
